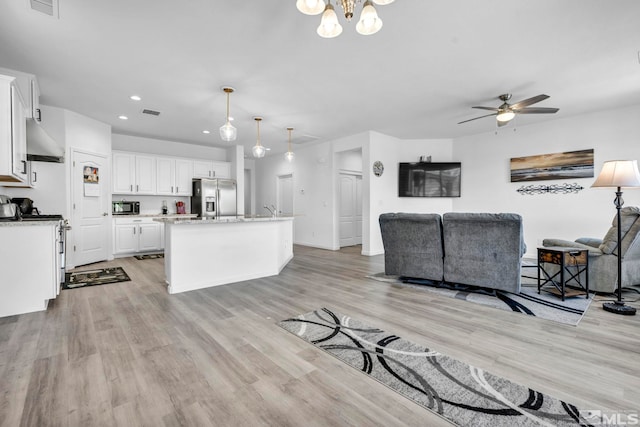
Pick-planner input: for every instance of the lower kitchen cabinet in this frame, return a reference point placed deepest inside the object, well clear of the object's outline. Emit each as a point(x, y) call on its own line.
point(136, 235)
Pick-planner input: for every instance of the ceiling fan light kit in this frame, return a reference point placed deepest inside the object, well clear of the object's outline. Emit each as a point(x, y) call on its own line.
point(507, 112)
point(369, 23)
point(227, 131)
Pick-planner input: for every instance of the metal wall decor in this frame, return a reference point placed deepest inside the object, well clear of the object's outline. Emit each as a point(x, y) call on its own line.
point(553, 189)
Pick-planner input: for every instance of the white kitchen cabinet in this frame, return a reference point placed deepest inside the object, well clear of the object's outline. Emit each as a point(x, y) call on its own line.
point(30, 267)
point(28, 86)
point(174, 176)
point(133, 173)
point(145, 174)
point(211, 169)
point(136, 235)
point(31, 178)
point(13, 141)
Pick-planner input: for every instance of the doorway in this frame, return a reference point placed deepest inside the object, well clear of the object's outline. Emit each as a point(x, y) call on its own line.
point(285, 195)
point(89, 208)
point(350, 209)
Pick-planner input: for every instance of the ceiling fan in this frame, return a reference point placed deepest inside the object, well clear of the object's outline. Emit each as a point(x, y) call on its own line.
point(506, 112)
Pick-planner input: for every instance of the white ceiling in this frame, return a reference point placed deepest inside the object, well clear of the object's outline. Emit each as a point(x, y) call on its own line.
point(416, 78)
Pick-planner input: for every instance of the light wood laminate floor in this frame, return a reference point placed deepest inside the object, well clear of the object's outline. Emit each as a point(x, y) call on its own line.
point(131, 354)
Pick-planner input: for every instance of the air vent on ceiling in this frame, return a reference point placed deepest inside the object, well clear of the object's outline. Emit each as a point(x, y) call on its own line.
point(48, 7)
point(151, 112)
point(304, 139)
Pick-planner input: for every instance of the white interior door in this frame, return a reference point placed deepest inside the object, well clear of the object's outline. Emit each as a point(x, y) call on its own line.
point(350, 209)
point(90, 208)
point(285, 195)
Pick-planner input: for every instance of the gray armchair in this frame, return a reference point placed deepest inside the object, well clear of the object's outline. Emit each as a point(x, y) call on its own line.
point(412, 245)
point(483, 249)
point(603, 261)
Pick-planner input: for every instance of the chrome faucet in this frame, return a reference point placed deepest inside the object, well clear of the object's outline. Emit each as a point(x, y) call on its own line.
point(271, 210)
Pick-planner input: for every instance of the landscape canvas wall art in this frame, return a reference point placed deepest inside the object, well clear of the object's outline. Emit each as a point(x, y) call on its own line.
point(567, 165)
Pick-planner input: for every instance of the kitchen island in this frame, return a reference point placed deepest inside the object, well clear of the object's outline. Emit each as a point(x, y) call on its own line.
point(200, 253)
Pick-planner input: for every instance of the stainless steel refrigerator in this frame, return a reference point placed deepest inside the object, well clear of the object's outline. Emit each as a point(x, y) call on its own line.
point(214, 198)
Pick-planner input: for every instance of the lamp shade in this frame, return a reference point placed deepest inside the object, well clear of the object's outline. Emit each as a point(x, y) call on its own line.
point(370, 22)
point(618, 173)
point(310, 7)
point(228, 132)
point(329, 26)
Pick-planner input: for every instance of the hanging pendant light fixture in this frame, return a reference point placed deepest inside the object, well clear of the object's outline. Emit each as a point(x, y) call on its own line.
point(258, 150)
point(369, 23)
point(227, 131)
point(289, 154)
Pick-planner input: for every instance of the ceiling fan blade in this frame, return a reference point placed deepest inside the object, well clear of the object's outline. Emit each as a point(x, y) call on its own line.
point(476, 118)
point(529, 101)
point(537, 110)
point(487, 108)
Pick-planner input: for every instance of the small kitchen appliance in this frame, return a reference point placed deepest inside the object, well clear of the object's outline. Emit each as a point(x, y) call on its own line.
point(124, 207)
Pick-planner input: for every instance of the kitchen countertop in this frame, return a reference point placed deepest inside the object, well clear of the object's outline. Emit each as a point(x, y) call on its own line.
point(223, 220)
point(167, 216)
point(26, 223)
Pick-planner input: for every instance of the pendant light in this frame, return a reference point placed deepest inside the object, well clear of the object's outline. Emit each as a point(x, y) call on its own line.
point(258, 150)
point(227, 131)
point(370, 22)
point(289, 154)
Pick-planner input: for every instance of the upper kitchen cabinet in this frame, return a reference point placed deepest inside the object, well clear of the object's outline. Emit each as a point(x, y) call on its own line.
point(211, 169)
point(13, 141)
point(133, 173)
point(30, 91)
point(174, 176)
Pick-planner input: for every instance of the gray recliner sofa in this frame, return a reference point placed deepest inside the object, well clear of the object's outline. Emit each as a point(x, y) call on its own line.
point(603, 259)
point(412, 245)
point(483, 249)
point(479, 249)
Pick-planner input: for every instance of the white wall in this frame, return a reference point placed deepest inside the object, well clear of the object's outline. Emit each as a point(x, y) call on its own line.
point(384, 189)
point(167, 148)
point(312, 195)
point(486, 186)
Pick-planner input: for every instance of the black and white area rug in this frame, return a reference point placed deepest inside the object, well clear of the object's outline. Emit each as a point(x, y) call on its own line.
point(462, 394)
point(101, 276)
point(544, 305)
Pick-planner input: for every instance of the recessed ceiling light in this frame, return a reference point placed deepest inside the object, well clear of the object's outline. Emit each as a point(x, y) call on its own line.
point(123, 117)
point(135, 98)
point(206, 131)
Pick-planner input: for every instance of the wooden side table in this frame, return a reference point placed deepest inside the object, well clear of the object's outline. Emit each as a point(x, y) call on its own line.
point(565, 258)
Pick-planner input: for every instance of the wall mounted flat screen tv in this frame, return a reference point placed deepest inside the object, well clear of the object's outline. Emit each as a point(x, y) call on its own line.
point(429, 179)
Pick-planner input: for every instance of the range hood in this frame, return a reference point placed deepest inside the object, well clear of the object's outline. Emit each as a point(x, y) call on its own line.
point(40, 146)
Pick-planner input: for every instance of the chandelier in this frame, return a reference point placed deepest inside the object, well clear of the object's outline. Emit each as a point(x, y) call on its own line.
point(369, 22)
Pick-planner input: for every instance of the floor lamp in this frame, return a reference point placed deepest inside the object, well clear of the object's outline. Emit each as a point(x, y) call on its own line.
point(618, 174)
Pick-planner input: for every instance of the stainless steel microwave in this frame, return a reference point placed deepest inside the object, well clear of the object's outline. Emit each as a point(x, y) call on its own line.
point(124, 207)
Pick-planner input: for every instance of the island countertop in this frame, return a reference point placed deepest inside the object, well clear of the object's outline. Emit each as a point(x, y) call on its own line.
point(201, 221)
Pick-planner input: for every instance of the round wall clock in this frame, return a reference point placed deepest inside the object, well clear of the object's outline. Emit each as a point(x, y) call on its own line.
point(378, 168)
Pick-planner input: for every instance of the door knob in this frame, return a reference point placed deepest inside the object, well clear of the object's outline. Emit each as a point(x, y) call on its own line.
point(104, 214)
